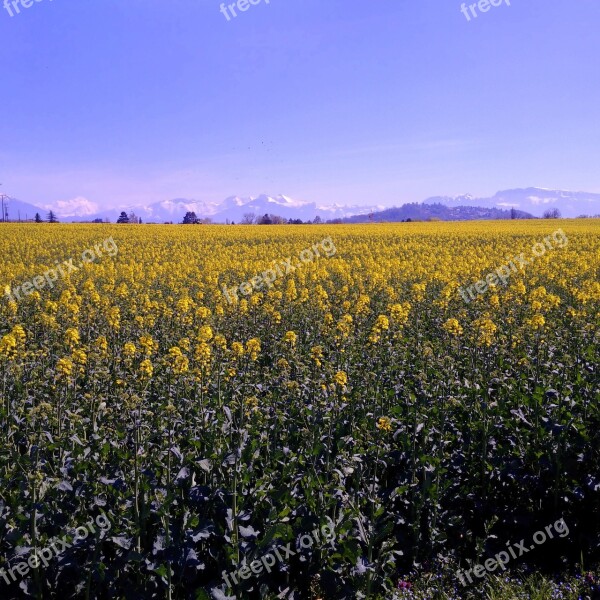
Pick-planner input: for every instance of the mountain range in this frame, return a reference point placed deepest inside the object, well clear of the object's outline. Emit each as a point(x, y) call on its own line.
point(231, 209)
point(530, 201)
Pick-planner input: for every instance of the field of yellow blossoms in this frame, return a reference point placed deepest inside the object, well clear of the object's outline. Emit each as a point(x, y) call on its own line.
point(358, 393)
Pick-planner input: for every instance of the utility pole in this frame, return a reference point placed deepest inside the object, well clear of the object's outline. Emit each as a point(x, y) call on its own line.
point(4, 198)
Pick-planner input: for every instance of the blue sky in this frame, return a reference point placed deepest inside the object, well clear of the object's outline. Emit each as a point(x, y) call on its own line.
point(347, 101)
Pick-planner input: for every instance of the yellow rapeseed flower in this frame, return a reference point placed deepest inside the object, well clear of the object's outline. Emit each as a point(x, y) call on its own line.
point(452, 326)
point(253, 348)
point(340, 378)
point(290, 338)
point(129, 350)
point(64, 367)
point(146, 369)
point(384, 424)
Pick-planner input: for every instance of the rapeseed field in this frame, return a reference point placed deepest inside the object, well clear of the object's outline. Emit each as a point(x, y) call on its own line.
point(424, 393)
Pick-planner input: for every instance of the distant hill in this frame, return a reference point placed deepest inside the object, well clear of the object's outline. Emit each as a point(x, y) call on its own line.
point(422, 212)
point(18, 210)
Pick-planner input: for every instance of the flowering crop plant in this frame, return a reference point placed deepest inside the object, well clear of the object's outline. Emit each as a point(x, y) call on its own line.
point(359, 393)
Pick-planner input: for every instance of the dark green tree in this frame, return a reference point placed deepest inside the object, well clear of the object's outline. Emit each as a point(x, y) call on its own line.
point(190, 218)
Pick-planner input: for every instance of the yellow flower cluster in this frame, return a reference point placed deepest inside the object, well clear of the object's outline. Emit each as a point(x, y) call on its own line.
point(253, 348)
point(381, 324)
point(340, 378)
point(384, 424)
point(8, 345)
point(12, 342)
point(178, 361)
point(290, 338)
point(485, 330)
point(453, 327)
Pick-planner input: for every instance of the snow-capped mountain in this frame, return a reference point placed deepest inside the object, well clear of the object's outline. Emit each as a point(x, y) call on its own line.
point(159, 212)
point(532, 200)
point(233, 209)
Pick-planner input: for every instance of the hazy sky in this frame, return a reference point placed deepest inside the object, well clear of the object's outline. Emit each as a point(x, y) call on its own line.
point(347, 101)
